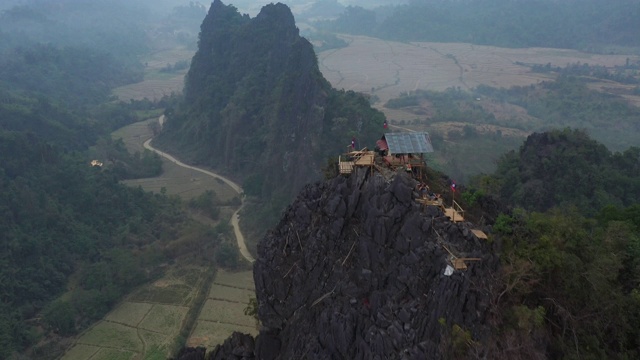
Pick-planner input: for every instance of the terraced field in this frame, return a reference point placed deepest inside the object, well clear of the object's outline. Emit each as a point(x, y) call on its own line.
point(146, 324)
point(223, 312)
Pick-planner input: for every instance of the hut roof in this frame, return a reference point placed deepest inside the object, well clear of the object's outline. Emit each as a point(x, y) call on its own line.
point(409, 143)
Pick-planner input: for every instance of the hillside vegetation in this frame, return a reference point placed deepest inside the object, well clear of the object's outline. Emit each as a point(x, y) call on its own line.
point(569, 283)
point(588, 25)
point(74, 240)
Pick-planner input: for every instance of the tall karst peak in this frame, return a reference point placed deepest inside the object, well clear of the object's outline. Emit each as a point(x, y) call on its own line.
point(257, 107)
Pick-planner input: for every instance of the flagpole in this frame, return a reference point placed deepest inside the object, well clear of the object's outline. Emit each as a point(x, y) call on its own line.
point(453, 196)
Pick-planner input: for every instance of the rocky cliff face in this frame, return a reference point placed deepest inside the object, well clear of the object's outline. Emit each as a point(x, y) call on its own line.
point(356, 270)
point(257, 106)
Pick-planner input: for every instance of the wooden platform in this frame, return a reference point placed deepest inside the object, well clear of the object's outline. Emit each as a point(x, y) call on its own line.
point(357, 158)
point(428, 202)
point(479, 234)
point(346, 167)
point(365, 159)
point(461, 263)
point(453, 215)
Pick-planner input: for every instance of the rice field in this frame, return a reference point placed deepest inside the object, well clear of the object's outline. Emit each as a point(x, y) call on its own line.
point(129, 313)
point(164, 319)
point(113, 336)
point(223, 311)
point(241, 279)
point(209, 334)
point(146, 324)
point(232, 294)
point(388, 68)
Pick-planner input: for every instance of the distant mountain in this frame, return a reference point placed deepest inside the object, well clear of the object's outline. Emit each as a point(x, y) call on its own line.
point(257, 107)
point(591, 25)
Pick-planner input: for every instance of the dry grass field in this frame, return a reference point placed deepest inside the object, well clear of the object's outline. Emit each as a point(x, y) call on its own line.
point(157, 84)
point(387, 69)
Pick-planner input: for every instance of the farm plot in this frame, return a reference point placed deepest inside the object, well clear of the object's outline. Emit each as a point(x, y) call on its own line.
point(164, 319)
point(226, 312)
point(241, 279)
point(179, 295)
point(81, 351)
point(157, 84)
point(232, 294)
point(113, 354)
point(129, 313)
point(387, 68)
point(223, 312)
point(113, 336)
point(153, 89)
point(146, 324)
point(209, 334)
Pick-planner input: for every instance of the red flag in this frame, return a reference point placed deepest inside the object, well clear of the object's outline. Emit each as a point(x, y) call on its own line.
point(453, 186)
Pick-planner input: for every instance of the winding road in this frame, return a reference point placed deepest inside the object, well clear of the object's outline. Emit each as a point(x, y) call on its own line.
point(236, 215)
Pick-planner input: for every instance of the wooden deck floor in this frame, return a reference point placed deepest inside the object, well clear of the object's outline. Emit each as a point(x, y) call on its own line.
point(453, 215)
point(346, 167)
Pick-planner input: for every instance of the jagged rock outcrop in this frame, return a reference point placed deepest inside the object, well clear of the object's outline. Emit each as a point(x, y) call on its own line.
point(256, 104)
point(356, 270)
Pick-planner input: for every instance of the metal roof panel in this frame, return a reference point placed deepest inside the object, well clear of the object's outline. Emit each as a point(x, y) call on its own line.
point(409, 143)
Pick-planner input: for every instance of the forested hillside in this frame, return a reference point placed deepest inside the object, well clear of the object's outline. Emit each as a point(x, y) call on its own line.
point(569, 285)
point(257, 107)
point(73, 240)
point(589, 25)
point(561, 168)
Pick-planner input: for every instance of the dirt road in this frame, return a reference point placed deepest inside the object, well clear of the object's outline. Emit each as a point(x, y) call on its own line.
point(235, 217)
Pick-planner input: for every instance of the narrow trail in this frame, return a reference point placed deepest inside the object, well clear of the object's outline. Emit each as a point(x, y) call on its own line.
point(236, 215)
